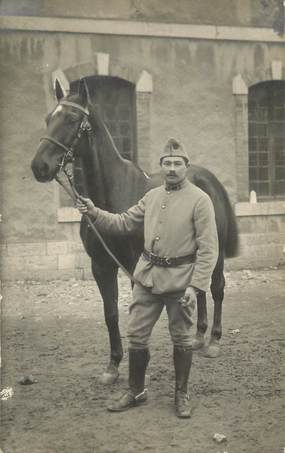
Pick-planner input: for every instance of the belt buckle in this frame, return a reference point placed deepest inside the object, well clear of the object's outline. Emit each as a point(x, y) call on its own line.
point(167, 260)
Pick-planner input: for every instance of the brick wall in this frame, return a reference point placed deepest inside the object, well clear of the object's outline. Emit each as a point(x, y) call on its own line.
point(43, 260)
point(262, 242)
point(262, 235)
point(241, 145)
point(184, 89)
point(143, 130)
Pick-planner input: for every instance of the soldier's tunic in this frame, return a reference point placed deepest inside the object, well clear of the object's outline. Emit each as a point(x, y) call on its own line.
point(175, 223)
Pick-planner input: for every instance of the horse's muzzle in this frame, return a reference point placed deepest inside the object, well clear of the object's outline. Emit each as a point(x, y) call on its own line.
point(41, 171)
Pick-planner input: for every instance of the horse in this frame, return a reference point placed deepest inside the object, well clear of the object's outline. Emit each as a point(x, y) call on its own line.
point(75, 130)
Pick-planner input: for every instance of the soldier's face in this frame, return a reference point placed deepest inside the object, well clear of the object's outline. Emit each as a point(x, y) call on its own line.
point(174, 169)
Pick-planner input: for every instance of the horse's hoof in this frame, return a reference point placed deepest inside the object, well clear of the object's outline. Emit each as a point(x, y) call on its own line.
point(198, 342)
point(213, 349)
point(110, 376)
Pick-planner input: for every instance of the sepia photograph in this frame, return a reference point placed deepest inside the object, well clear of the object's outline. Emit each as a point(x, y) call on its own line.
point(142, 226)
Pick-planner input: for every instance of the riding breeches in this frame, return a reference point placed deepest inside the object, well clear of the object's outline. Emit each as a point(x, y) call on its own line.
point(145, 311)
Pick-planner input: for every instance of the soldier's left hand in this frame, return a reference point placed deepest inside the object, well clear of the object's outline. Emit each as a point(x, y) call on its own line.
point(190, 298)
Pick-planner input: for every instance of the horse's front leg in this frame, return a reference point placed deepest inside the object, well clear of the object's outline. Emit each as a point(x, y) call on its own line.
point(202, 322)
point(106, 279)
point(217, 290)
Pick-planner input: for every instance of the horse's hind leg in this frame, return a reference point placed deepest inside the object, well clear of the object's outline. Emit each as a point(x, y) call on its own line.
point(202, 322)
point(106, 279)
point(217, 290)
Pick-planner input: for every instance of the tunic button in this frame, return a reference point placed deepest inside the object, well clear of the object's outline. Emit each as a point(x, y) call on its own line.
point(157, 238)
point(163, 206)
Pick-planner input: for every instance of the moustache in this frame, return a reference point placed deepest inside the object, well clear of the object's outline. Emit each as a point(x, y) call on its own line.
point(171, 173)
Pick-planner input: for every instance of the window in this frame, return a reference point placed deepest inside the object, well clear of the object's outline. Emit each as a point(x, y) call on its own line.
point(266, 138)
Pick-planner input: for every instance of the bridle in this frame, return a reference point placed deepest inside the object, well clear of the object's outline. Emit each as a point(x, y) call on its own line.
point(69, 186)
point(84, 126)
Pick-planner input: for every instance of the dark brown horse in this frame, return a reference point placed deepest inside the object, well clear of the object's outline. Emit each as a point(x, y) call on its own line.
point(115, 184)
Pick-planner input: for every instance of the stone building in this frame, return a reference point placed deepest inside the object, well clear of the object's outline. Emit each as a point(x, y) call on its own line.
point(211, 73)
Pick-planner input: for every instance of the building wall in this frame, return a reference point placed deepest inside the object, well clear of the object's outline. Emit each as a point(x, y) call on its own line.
point(192, 99)
point(217, 12)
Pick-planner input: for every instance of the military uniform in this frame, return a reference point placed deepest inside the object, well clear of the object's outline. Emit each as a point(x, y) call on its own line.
point(176, 223)
point(181, 250)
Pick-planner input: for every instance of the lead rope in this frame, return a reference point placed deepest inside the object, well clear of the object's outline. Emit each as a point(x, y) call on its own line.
point(74, 195)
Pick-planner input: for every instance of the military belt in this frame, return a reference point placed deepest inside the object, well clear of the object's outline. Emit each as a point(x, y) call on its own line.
point(166, 261)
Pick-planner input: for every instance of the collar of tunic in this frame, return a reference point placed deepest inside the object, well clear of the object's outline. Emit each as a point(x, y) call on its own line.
point(177, 186)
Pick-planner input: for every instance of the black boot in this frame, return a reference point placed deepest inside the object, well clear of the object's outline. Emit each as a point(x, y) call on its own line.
point(136, 394)
point(182, 364)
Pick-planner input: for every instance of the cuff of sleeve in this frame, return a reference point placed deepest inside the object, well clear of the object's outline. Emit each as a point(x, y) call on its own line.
point(195, 288)
point(198, 290)
point(94, 214)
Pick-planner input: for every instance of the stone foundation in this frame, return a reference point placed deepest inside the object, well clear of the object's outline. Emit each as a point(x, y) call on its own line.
point(67, 259)
point(44, 261)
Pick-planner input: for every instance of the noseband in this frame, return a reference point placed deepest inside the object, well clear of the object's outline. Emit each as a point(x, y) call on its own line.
point(69, 150)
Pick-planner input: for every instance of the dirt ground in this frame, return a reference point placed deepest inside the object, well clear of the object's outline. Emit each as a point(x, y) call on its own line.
point(55, 332)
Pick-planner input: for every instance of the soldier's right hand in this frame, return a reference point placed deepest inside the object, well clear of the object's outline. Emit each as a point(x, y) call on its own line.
point(85, 205)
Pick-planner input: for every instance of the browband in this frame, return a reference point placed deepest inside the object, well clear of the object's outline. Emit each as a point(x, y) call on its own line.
point(76, 106)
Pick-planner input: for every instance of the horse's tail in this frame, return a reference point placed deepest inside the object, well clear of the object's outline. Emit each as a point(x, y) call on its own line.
point(232, 237)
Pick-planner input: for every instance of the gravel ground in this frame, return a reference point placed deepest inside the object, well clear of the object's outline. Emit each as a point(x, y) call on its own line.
point(54, 333)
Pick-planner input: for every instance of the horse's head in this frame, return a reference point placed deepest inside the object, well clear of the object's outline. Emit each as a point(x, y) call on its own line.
point(65, 125)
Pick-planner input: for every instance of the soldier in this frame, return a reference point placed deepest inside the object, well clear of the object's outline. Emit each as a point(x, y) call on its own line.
point(181, 250)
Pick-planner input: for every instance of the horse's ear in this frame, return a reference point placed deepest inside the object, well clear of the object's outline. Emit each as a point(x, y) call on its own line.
point(58, 90)
point(84, 92)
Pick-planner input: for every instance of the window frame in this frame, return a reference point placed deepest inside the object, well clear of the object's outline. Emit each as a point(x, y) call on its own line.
point(257, 94)
point(240, 96)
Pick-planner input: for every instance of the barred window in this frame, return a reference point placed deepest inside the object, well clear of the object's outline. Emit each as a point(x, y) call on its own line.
point(266, 134)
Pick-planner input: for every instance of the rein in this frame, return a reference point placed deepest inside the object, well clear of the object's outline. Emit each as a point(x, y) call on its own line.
point(72, 192)
point(68, 182)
